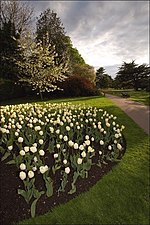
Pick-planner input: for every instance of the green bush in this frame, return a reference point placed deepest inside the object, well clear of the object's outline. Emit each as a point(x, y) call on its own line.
point(75, 86)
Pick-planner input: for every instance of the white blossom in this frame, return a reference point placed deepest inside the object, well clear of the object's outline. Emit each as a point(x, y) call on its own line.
point(65, 138)
point(79, 161)
point(109, 147)
point(22, 152)
point(57, 145)
point(75, 146)
point(10, 147)
point(41, 141)
point(55, 155)
point(83, 154)
point(67, 170)
point(70, 143)
point(22, 166)
point(22, 175)
point(41, 132)
point(119, 146)
point(41, 152)
point(65, 161)
point(30, 174)
point(20, 139)
point(33, 149)
point(26, 148)
point(101, 142)
point(43, 169)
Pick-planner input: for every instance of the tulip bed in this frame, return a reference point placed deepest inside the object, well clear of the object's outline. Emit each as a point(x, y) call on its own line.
point(50, 139)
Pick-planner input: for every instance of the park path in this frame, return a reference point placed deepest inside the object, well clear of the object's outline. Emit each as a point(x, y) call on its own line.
point(137, 111)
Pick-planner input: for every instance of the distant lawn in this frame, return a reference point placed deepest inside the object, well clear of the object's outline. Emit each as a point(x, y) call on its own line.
point(139, 96)
point(121, 196)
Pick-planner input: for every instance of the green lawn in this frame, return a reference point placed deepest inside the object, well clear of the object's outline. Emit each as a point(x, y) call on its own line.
point(121, 196)
point(139, 96)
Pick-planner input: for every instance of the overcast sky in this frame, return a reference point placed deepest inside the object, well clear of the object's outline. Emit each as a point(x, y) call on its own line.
point(106, 33)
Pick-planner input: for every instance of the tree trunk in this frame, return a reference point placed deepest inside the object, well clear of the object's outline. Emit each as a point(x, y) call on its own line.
point(41, 95)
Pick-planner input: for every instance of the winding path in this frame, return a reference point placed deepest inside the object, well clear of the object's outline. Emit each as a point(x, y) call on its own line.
point(137, 111)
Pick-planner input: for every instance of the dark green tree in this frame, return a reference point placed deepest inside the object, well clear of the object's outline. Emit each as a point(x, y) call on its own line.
point(103, 80)
point(10, 51)
point(132, 75)
point(48, 24)
point(84, 70)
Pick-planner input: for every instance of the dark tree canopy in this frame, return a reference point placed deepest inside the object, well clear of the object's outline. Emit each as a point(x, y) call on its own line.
point(48, 24)
point(18, 13)
point(133, 75)
point(103, 80)
point(10, 51)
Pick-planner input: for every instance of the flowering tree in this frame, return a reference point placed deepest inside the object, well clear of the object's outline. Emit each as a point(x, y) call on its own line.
point(42, 71)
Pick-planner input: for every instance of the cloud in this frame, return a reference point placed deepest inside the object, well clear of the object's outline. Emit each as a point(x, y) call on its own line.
point(106, 33)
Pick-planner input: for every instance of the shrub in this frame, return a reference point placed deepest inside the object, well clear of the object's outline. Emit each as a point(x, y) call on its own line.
point(79, 86)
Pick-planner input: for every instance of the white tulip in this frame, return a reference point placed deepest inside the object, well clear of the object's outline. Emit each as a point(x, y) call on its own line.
point(67, 128)
point(22, 152)
point(87, 142)
point(101, 142)
point(67, 170)
point(41, 132)
point(58, 146)
point(83, 154)
point(65, 138)
point(60, 136)
point(33, 149)
point(10, 147)
point(79, 161)
point(35, 144)
point(81, 147)
point(41, 141)
point(41, 152)
point(26, 148)
point(20, 139)
point(43, 169)
point(30, 174)
point(87, 137)
point(22, 175)
point(70, 143)
point(109, 147)
point(119, 146)
point(35, 159)
point(34, 168)
point(65, 161)
point(22, 166)
point(75, 146)
point(55, 155)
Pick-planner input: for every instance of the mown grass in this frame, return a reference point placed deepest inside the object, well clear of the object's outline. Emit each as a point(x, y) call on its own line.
point(121, 196)
point(138, 96)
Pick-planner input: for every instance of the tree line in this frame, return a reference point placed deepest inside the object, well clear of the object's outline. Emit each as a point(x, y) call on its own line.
point(46, 61)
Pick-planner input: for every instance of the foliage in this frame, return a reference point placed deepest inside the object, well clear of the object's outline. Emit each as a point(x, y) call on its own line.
point(85, 71)
point(77, 85)
point(10, 51)
point(103, 80)
point(132, 75)
point(17, 13)
point(41, 66)
point(67, 133)
point(49, 24)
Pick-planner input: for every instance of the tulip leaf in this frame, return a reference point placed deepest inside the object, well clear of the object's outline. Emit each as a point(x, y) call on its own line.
point(33, 207)
point(11, 162)
point(5, 156)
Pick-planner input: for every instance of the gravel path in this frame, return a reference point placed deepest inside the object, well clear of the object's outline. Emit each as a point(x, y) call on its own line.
point(137, 111)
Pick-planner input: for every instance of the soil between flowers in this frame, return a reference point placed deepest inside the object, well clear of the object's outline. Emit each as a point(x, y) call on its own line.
point(13, 207)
